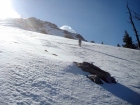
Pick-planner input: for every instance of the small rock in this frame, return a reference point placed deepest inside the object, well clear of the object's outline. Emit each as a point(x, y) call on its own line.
point(54, 54)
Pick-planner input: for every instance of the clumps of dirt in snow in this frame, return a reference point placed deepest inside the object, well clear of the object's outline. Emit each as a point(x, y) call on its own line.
point(51, 53)
point(55, 54)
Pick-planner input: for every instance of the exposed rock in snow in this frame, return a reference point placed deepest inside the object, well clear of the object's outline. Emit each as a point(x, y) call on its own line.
point(95, 79)
point(96, 71)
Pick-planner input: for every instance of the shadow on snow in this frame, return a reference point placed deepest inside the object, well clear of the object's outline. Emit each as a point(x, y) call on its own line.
point(123, 92)
point(118, 89)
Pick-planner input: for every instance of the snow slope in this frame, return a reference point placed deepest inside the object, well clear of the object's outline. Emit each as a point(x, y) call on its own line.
point(38, 69)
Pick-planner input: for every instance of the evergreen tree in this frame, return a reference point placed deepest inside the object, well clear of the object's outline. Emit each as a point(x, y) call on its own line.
point(92, 41)
point(128, 41)
point(118, 45)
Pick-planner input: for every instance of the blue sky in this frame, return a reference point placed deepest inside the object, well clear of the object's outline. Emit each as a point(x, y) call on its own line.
point(98, 20)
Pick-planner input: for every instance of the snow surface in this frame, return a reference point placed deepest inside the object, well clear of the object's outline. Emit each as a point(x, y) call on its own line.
point(38, 69)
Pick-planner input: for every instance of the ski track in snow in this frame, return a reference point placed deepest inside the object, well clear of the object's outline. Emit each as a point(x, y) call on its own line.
point(31, 73)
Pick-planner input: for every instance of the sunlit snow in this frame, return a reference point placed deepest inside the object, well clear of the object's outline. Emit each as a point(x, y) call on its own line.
point(38, 69)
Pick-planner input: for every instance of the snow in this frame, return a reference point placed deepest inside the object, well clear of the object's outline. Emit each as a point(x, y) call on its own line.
point(38, 69)
point(53, 31)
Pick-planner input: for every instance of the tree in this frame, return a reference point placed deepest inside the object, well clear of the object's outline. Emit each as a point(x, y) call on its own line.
point(133, 25)
point(92, 41)
point(128, 41)
point(118, 45)
point(137, 16)
point(102, 42)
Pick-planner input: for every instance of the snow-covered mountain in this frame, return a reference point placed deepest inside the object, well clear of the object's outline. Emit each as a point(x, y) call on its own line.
point(33, 24)
point(38, 69)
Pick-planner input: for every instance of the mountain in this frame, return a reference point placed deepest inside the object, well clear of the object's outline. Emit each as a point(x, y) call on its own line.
point(38, 69)
point(33, 24)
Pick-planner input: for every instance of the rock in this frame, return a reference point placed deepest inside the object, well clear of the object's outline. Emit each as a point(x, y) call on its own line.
point(94, 70)
point(54, 54)
point(95, 79)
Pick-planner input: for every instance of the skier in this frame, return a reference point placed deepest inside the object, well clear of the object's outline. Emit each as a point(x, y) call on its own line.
point(80, 41)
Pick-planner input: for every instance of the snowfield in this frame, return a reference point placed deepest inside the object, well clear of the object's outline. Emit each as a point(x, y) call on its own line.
point(38, 69)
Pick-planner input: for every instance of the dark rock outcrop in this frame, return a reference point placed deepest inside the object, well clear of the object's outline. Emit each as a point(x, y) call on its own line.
point(95, 79)
point(96, 72)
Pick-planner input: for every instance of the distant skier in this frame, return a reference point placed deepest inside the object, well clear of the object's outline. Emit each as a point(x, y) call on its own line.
point(80, 41)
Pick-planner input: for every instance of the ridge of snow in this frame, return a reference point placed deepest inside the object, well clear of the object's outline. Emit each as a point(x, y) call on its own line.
point(38, 69)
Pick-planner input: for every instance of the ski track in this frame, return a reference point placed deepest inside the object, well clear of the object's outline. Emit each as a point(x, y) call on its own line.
point(31, 76)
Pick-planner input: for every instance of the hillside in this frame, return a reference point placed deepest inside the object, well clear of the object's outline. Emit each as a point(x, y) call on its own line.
point(37, 25)
point(38, 69)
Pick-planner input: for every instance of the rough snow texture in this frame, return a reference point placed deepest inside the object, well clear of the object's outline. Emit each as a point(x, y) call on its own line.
point(38, 69)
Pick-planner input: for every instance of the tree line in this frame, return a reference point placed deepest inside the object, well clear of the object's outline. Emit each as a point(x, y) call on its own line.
point(128, 43)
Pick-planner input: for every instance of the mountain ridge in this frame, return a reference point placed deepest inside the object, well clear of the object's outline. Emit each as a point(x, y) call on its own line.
point(37, 25)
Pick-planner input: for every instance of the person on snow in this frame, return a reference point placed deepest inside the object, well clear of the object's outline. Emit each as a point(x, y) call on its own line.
point(80, 41)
